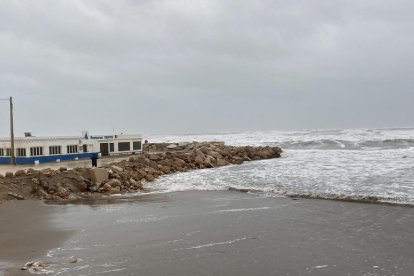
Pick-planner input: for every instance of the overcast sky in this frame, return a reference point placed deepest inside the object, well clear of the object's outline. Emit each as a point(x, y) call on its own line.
point(190, 66)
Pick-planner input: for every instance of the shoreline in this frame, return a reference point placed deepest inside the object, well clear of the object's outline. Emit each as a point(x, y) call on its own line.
point(111, 199)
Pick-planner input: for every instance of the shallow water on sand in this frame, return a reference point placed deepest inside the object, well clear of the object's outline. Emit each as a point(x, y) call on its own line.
point(233, 233)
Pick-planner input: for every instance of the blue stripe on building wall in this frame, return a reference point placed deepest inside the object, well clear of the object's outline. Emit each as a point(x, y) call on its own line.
point(45, 159)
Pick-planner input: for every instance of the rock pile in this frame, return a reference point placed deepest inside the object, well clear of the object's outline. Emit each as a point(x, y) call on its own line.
point(35, 267)
point(128, 176)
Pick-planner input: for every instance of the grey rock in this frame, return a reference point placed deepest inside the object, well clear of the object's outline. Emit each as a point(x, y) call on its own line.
point(99, 175)
point(16, 196)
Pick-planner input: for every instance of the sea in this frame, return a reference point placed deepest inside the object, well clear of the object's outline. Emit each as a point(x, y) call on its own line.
point(346, 164)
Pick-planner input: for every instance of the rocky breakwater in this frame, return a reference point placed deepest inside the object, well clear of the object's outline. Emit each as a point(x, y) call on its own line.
point(129, 175)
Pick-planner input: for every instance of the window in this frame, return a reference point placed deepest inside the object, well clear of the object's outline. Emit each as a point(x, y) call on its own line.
point(73, 149)
point(21, 152)
point(53, 150)
point(5, 152)
point(111, 147)
point(36, 151)
point(136, 145)
point(124, 146)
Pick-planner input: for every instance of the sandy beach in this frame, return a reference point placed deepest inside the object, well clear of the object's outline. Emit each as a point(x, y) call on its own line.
point(210, 233)
point(26, 232)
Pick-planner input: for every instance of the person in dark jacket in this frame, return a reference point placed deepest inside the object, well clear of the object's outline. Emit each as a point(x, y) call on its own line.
point(94, 160)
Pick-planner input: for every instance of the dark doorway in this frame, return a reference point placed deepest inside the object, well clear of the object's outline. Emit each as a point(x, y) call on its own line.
point(104, 149)
point(85, 148)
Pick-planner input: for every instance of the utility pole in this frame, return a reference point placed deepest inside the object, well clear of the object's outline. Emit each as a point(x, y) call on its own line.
point(13, 156)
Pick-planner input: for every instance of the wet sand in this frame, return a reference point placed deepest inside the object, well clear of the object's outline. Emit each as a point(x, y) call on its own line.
point(26, 232)
point(215, 233)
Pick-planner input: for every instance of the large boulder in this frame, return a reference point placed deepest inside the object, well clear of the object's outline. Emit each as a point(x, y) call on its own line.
point(43, 194)
point(165, 169)
point(142, 173)
point(237, 160)
point(114, 183)
point(76, 186)
point(16, 196)
point(116, 169)
point(153, 157)
point(200, 154)
point(99, 175)
point(209, 161)
point(105, 188)
point(179, 162)
point(115, 190)
point(215, 154)
point(73, 181)
point(221, 162)
point(135, 184)
point(133, 159)
point(62, 192)
point(222, 151)
point(20, 173)
point(199, 160)
point(149, 178)
point(172, 146)
point(30, 171)
point(48, 172)
point(81, 184)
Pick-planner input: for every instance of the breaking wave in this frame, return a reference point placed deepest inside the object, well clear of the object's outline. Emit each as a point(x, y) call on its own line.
point(336, 197)
point(365, 165)
point(328, 144)
point(351, 139)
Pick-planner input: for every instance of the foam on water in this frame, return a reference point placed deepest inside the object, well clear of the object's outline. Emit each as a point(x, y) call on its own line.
point(316, 139)
point(327, 164)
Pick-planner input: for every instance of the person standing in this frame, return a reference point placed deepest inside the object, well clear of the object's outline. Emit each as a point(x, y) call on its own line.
point(94, 159)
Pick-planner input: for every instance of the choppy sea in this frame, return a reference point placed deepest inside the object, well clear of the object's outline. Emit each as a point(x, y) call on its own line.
point(351, 163)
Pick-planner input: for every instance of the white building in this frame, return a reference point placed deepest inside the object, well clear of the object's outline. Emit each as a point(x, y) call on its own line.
point(31, 150)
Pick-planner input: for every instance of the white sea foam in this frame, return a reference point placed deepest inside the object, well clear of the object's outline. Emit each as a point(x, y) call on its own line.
point(344, 163)
point(241, 210)
point(110, 271)
point(213, 244)
point(143, 219)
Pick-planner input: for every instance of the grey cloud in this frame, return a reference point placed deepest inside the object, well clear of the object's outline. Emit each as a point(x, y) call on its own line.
point(201, 66)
